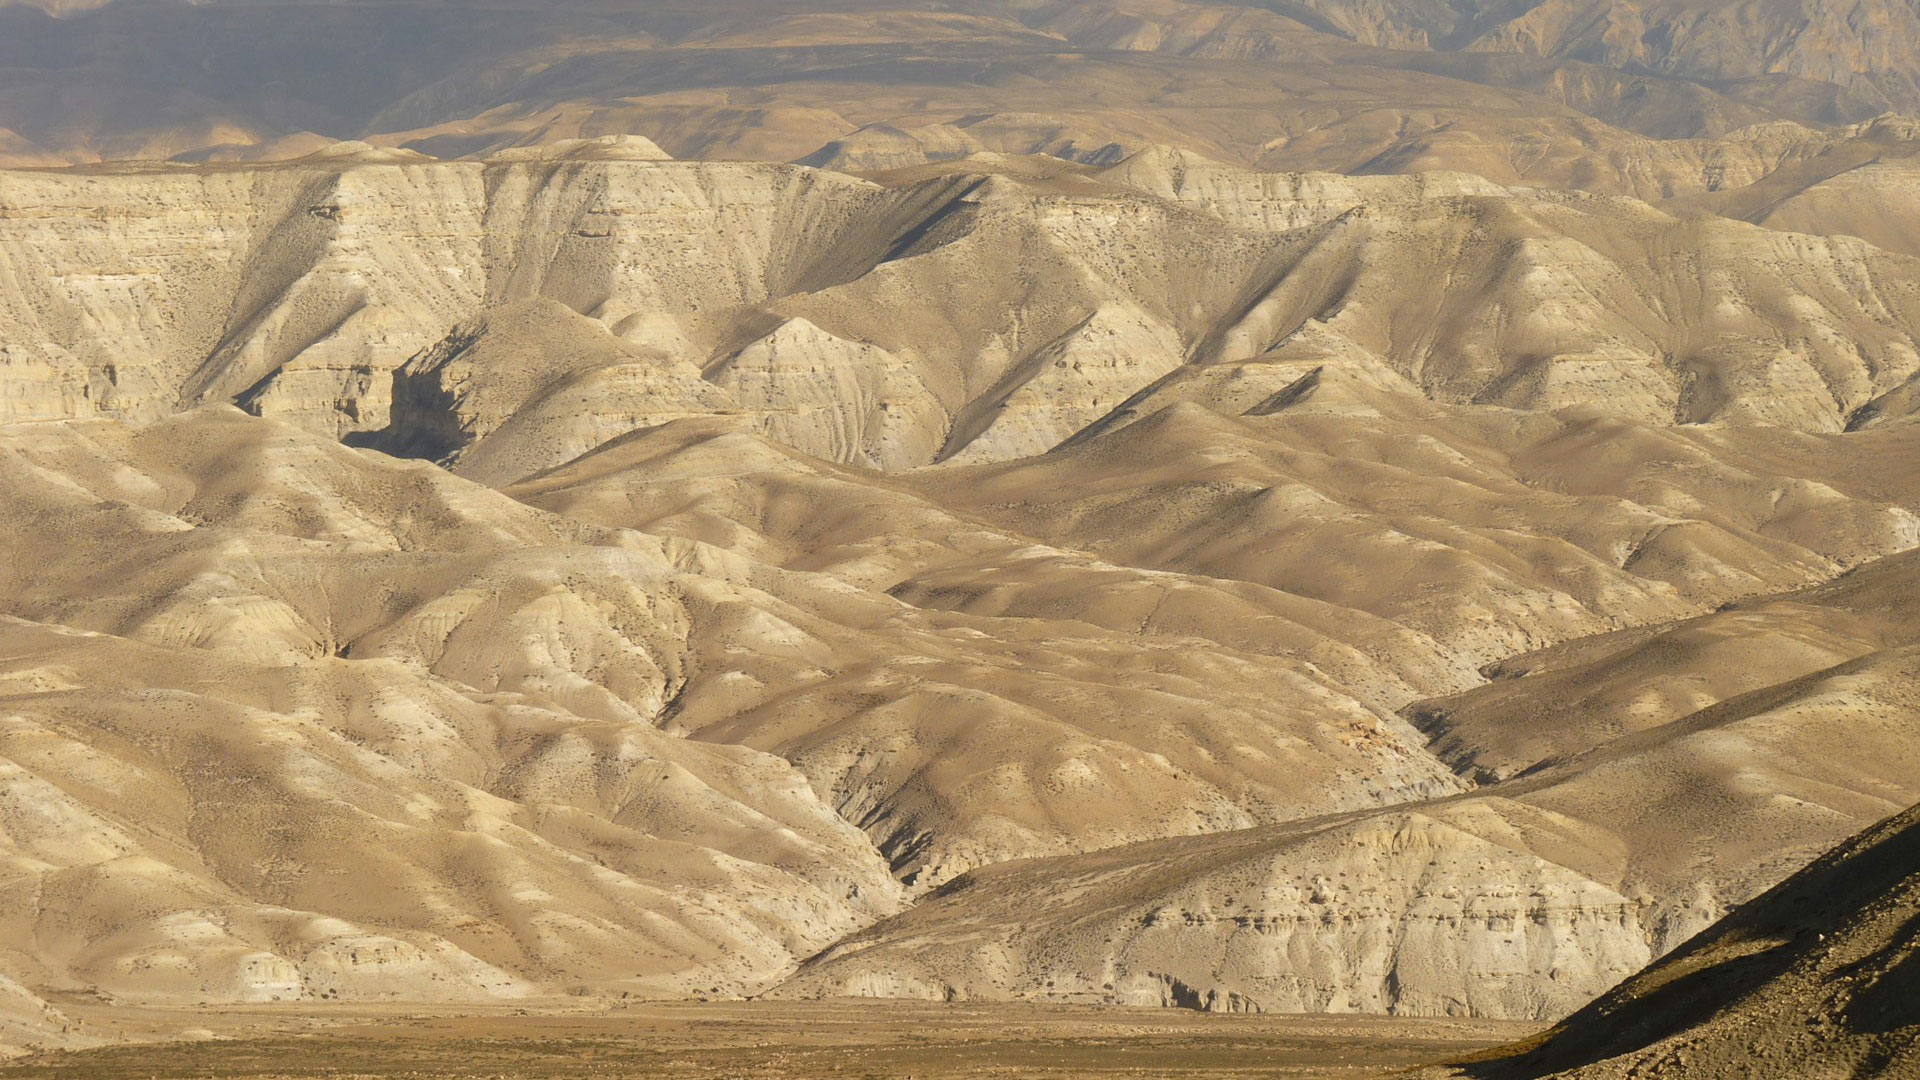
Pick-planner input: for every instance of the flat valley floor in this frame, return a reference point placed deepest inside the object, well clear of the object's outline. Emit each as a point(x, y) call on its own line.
point(862, 1039)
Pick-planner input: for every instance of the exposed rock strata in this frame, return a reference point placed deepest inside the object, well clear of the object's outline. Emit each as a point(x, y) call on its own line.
point(955, 317)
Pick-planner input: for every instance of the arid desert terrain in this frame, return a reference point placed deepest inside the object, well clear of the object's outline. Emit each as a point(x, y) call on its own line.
point(960, 539)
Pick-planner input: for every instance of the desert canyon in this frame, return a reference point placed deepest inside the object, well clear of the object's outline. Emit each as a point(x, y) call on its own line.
point(1350, 508)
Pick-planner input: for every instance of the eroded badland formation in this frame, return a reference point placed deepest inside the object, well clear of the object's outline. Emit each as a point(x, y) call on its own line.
point(1321, 507)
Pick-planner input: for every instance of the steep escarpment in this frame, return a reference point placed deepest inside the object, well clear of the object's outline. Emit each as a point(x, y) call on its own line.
point(320, 278)
point(952, 316)
point(1408, 912)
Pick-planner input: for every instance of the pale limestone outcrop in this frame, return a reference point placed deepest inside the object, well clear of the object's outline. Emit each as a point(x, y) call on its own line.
point(297, 289)
point(953, 316)
point(841, 400)
point(1278, 201)
point(533, 384)
point(1435, 912)
point(1066, 386)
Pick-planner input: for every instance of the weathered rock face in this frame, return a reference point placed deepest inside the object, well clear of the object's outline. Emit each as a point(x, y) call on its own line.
point(842, 400)
point(298, 289)
point(1408, 913)
point(1279, 202)
point(1550, 303)
point(533, 384)
point(1065, 387)
point(955, 317)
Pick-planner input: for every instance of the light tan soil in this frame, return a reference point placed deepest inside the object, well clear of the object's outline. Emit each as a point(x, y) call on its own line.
point(755, 1039)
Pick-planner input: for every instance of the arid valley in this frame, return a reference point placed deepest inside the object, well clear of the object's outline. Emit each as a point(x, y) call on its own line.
point(956, 539)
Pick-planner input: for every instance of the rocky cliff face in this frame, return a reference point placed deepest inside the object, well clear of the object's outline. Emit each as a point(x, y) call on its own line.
point(957, 317)
point(1407, 913)
point(298, 290)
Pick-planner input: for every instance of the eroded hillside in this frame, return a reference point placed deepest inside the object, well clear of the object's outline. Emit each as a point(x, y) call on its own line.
point(1330, 507)
point(573, 294)
point(698, 690)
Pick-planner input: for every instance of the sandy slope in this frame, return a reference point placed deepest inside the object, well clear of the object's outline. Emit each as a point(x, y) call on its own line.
point(28, 1023)
point(1663, 773)
point(1516, 900)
